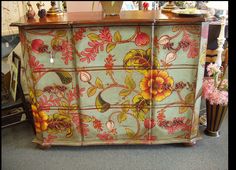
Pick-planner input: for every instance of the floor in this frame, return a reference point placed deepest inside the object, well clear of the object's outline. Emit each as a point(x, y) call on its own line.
point(18, 152)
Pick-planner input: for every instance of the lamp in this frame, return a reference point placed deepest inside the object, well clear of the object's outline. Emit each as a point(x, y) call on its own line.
point(220, 5)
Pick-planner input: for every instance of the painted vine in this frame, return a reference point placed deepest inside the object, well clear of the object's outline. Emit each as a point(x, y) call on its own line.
point(156, 84)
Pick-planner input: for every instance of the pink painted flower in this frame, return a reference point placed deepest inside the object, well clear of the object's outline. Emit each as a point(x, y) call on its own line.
point(47, 102)
point(81, 127)
point(67, 51)
point(91, 53)
point(97, 124)
point(78, 91)
point(105, 34)
point(110, 125)
point(164, 40)
point(70, 96)
point(35, 64)
point(85, 76)
point(105, 137)
point(142, 39)
point(79, 34)
point(109, 62)
point(149, 138)
point(191, 45)
point(38, 46)
point(149, 123)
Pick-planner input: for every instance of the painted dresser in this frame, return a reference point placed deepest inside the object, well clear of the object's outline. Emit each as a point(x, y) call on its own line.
point(128, 79)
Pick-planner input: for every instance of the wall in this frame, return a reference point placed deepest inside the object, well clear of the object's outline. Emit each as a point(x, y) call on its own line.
point(13, 10)
point(80, 6)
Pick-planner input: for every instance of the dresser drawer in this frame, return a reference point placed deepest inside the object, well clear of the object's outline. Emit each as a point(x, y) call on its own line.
point(58, 126)
point(174, 85)
point(56, 89)
point(171, 124)
point(51, 43)
point(177, 45)
point(107, 89)
point(128, 46)
point(119, 125)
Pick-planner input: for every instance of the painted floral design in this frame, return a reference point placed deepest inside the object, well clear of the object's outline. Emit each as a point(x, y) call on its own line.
point(79, 34)
point(40, 119)
point(145, 78)
point(157, 85)
point(138, 58)
point(38, 46)
point(142, 39)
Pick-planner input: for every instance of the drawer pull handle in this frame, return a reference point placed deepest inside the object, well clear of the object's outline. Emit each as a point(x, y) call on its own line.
point(51, 58)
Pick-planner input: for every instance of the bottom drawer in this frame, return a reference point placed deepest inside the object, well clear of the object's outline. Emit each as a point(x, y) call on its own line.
point(58, 126)
point(171, 124)
point(163, 124)
point(116, 125)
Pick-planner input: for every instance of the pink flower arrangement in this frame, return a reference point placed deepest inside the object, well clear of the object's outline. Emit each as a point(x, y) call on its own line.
point(215, 89)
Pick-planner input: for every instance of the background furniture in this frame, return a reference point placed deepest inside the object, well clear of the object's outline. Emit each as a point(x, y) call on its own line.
point(129, 79)
point(12, 111)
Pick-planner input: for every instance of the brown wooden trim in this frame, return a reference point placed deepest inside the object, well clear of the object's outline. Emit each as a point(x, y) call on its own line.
point(113, 106)
point(96, 18)
point(97, 68)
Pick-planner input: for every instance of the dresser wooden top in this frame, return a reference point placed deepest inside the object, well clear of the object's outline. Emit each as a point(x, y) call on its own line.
point(93, 18)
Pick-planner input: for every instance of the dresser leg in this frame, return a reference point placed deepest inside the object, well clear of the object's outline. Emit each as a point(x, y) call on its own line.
point(43, 147)
point(190, 144)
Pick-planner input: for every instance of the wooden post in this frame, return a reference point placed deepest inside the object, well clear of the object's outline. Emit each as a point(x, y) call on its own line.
point(221, 39)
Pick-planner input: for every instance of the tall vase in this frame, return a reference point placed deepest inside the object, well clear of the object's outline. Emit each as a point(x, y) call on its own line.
point(215, 117)
point(108, 9)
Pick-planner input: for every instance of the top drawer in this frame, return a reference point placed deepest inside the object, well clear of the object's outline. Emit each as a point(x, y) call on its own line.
point(177, 45)
point(120, 46)
point(46, 43)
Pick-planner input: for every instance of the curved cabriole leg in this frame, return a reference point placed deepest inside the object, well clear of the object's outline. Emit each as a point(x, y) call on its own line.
point(43, 147)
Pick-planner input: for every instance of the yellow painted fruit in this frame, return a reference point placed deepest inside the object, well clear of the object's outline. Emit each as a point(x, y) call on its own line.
point(34, 114)
point(36, 117)
point(43, 115)
point(31, 94)
point(34, 108)
point(44, 125)
point(37, 124)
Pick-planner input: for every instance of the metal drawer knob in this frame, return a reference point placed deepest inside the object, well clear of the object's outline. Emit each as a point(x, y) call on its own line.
point(51, 58)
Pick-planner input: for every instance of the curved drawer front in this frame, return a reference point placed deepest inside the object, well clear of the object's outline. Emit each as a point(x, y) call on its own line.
point(137, 88)
point(58, 126)
point(51, 42)
point(171, 124)
point(56, 89)
point(114, 126)
point(112, 88)
point(177, 45)
point(175, 85)
point(123, 46)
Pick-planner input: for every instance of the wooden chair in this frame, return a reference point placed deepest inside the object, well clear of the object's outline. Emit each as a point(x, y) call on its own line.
point(211, 58)
point(12, 111)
